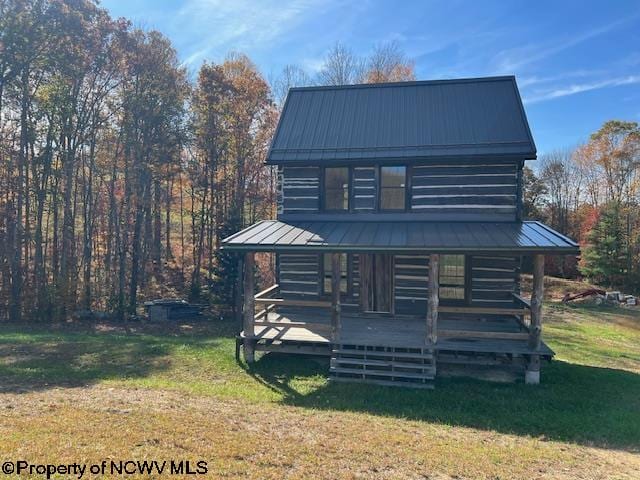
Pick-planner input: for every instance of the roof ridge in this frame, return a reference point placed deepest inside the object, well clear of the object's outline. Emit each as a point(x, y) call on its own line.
point(410, 83)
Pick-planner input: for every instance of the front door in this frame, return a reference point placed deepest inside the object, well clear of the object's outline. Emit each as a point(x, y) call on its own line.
point(376, 282)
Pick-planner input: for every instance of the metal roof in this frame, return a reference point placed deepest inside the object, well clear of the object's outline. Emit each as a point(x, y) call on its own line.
point(436, 237)
point(404, 120)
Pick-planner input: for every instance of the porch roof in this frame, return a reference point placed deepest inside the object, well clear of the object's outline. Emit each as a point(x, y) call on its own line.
point(435, 237)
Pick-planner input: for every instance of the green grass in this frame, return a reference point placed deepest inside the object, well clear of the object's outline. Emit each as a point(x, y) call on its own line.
point(589, 395)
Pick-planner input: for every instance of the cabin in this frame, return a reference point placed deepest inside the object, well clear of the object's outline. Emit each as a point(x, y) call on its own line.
point(399, 236)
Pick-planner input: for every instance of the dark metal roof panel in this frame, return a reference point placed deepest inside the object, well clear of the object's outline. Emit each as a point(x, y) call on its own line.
point(436, 237)
point(441, 118)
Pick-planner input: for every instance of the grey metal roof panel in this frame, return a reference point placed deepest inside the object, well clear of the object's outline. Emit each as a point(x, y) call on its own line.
point(427, 119)
point(436, 237)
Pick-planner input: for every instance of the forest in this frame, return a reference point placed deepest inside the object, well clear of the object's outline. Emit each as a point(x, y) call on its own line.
point(121, 171)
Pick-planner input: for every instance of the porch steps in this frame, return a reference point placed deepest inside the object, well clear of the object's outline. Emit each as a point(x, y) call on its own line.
point(391, 366)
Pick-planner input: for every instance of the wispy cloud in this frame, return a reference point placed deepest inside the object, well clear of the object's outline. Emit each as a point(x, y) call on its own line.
point(580, 88)
point(238, 25)
point(513, 59)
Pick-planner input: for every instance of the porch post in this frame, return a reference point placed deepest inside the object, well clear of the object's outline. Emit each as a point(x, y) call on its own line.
point(432, 305)
point(249, 308)
point(532, 374)
point(336, 325)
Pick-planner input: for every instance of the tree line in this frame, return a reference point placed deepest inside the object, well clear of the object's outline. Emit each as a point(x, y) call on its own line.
point(119, 172)
point(591, 193)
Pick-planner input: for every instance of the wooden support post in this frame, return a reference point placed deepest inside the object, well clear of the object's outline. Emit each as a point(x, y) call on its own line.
point(249, 309)
point(536, 301)
point(532, 375)
point(239, 300)
point(336, 326)
point(434, 299)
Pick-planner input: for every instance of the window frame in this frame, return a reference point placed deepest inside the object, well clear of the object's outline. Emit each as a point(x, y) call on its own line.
point(466, 286)
point(348, 276)
point(379, 187)
point(323, 190)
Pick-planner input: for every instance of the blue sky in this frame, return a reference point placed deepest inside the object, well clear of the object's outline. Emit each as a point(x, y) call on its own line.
point(577, 62)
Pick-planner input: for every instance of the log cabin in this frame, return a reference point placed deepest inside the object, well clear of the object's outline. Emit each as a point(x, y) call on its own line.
point(399, 236)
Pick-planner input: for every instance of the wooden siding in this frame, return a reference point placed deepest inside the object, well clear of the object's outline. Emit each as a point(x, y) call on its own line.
point(364, 189)
point(299, 275)
point(460, 189)
point(298, 190)
point(411, 275)
point(494, 279)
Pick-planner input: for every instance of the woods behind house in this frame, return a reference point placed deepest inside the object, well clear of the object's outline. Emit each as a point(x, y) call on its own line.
point(591, 193)
point(119, 171)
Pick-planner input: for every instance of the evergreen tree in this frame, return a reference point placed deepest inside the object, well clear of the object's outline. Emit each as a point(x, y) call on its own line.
point(605, 257)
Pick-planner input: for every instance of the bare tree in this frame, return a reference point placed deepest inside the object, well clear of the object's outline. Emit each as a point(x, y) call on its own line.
point(291, 76)
point(561, 177)
point(341, 67)
point(388, 63)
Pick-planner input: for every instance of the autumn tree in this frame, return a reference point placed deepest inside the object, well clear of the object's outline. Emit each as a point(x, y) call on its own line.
point(388, 63)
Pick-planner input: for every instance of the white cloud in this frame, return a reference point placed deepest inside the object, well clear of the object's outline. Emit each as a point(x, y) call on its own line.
point(513, 59)
point(238, 25)
point(580, 88)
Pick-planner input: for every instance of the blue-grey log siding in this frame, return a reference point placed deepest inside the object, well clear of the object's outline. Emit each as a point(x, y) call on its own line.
point(411, 276)
point(299, 275)
point(298, 190)
point(364, 189)
point(439, 190)
point(453, 189)
point(493, 280)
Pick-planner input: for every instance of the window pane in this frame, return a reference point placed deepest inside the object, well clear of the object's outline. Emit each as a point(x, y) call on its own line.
point(452, 277)
point(326, 261)
point(392, 199)
point(393, 176)
point(336, 188)
point(392, 186)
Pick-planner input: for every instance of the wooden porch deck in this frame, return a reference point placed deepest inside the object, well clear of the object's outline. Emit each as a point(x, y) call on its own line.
point(456, 333)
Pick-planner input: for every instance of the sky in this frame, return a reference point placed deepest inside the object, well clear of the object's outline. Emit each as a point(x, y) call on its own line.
point(577, 63)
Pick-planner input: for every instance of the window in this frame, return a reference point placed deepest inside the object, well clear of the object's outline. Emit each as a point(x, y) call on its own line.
point(336, 188)
point(326, 272)
point(392, 188)
point(452, 277)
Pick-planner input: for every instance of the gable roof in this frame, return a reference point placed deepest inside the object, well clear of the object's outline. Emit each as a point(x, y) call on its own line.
point(404, 120)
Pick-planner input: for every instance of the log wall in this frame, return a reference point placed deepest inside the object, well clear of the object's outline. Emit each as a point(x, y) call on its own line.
point(461, 190)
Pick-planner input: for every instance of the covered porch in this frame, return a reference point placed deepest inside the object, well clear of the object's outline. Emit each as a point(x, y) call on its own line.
point(390, 344)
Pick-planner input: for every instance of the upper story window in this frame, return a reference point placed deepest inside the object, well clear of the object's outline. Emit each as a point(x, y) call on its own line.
point(393, 182)
point(336, 188)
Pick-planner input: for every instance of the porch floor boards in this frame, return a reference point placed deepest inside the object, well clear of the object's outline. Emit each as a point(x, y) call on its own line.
point(390, 331)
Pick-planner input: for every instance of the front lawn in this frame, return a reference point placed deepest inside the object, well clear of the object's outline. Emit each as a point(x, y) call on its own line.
point(145, 391)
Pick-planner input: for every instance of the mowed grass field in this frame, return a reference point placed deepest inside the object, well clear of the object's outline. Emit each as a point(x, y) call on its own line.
point(87, 393)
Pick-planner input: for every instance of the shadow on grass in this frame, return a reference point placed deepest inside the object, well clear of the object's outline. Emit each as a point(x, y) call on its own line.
point(575, 403)
point(40, 358)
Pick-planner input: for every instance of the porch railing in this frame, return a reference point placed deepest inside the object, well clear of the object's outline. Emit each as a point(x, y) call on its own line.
point(266, 301)
point(268, 304)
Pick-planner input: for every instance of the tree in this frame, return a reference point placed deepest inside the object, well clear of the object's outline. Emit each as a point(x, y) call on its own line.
point(388, 63)
point(562, 181)
point(533, 192)
point(291, 76)
point(341, 67)
point(605, 256)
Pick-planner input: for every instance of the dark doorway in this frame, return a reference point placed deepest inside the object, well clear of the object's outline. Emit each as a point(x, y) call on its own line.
point(376, 282)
